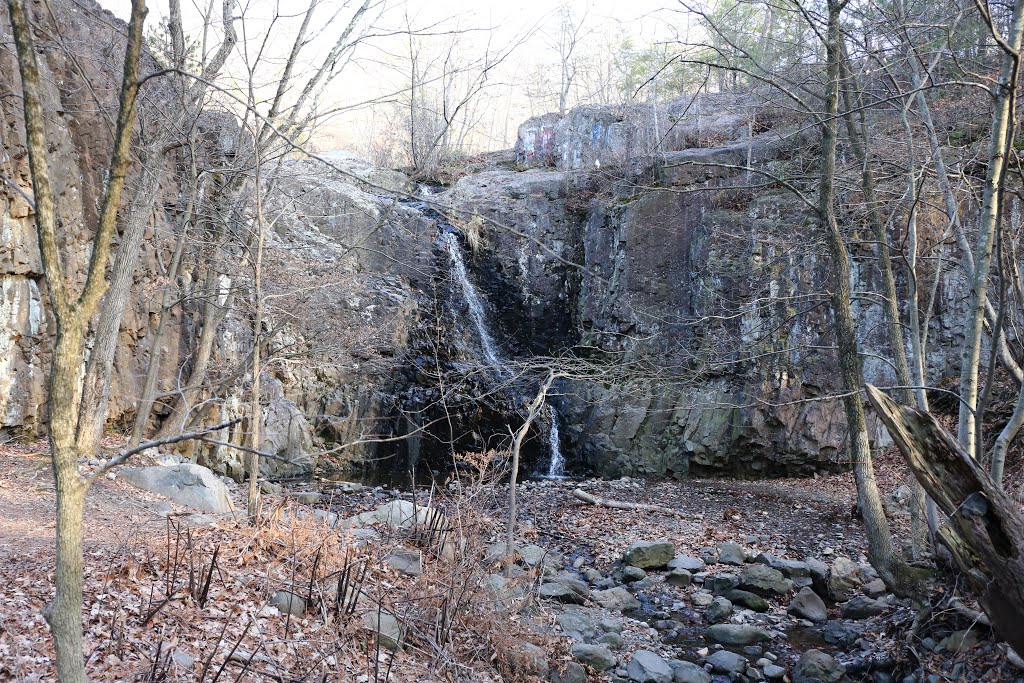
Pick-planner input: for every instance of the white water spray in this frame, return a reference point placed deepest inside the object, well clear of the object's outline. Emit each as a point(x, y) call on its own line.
point(469, 293)
point(556, 466)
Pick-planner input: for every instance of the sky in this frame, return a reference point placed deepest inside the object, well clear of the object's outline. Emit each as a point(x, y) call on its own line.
point(373, 73)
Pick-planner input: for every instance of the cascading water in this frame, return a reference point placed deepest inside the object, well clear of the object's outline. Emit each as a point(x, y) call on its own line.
point(556, 466)
point(476, 308)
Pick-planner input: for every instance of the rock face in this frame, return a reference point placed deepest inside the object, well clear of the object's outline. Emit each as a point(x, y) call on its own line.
point(187, 484)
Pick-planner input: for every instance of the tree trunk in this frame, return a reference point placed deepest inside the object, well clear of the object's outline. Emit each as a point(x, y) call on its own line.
point(985, 528)
point(882, 552)
point(1000, 146)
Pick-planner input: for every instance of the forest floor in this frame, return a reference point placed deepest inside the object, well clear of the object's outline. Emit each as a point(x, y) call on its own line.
point(173, 596)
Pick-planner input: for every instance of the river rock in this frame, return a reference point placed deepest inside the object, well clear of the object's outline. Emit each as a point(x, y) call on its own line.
point(721, 583)
point(816, 666)
point(718, 611)
point(647, 667)
point(572, 672)
point(748, 600)
point(187, 484)
point(844, 579)
point(688, 672)
point(731, 553)
point(690, 564)
point(726, 662)
point(960, 641)
point(408, 562)
point(679, 577)
point(861, 607)
point(560, 593)
point(387, 628)
point(819, 575)
point(617, 598)
point(596, 656)
point(649, 554)
point(527, 659)
point(773, 672)
point(762, 579)
point(808, 605)
point(875, 588)
point(737, 634)
point(633, 574)
point(842, 633)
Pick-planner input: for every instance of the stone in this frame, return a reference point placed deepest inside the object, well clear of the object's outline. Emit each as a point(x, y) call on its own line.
point(861, 607)
point(647, 667)
point(386, 627)
point(748, 600)
point(773, 672)
point(404, 515)
point(819, 575)
point(611, 639)
point(844, 579)
point(592, 575)
point(726, 662)
point(688, 672)
point(632, 574)
point(718, 611)
point(576, 624)
point(731, 553)
point(617, 598)
point(649, 554)
point(187, 484)
point(690, 564)
point(534, 556)
point(288, 603)
point(762, 579)
point(792, 569)
point(842, 633)
point(572, 581)
point(527, 659)
point(408, 562)
point(679, 577)
point(737, 634)
point(309, 498)
point(721, 583)
point(816, 666)
point(702, 598)
point(875, 588)
point(596, 656)
point(572, 672)
point(807, 605)
point(560, 593)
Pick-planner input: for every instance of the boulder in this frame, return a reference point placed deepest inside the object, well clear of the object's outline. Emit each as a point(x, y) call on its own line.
point(617, 598)
point(721, 583)
point(596, 656)
point(731, 553)
point(633, 574)
point(807, 605)
point(816, 666)
point(560, 593)
point(748, 600)
point(844, 579)
point(718, 611)
point(762, 579)
point(187, 484)
point(861, 607)
point(679, 577)
point(960, 641)
point(688, 672)
point(647, 667)
point(528, 660)
point(404, 515)
point(690, 564)
point(386, 627)
point(408, 562)
point(572, 672)
point(726, 662)
point(842, 633)
point(737, 634)
point(576, 624)
point(649, 554)
point(773, 672)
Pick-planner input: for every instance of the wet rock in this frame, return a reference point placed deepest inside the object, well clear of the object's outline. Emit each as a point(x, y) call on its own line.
point(690, 564)
point(718, 611)
point(570, 673)
point(679, 577)
point(861, 607)
point(596, 656)
point(737, 634)
point(560, 593)
point(647, 667)
point(844, 579)
point(762, 579)
point(748, 600)
point(726, 662)
point(731, 553)
point(617, 598)
point(842, 633)
point(816, 666)
point(688, 672)
point(807, 605)
point(649, 554)
point(288, 603)
point(408, 562)
point(187, 484)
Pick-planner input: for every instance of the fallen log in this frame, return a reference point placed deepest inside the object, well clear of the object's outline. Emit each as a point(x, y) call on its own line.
point(620, 504)
point(985, 531)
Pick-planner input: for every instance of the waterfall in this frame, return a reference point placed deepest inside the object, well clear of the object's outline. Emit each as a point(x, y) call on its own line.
point(556, 466)
point(469, 293)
